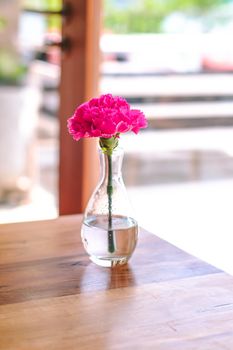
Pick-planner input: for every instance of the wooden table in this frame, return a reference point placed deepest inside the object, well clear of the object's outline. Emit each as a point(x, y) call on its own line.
point(53, 297)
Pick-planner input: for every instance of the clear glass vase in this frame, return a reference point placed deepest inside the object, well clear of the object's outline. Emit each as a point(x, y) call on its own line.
point(109, 231)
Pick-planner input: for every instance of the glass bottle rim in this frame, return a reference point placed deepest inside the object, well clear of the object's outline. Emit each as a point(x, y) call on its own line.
point(117, 150)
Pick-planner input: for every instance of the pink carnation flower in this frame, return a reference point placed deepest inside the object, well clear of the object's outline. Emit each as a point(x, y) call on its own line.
point(105, 117)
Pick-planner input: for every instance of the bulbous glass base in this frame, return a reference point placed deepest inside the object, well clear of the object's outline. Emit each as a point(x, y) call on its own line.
point(106, 247)
point(109, 261)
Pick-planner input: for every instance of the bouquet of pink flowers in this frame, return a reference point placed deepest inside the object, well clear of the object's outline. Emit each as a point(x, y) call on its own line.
point(106, 117)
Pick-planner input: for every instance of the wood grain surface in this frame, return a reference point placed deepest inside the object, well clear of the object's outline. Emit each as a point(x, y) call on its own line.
point(53, 297)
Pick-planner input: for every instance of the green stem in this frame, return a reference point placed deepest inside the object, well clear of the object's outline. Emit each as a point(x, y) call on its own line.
point(111, 245)
point(108, 145)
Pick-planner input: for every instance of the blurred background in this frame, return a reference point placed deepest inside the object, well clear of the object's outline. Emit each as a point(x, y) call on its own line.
point(174, 60)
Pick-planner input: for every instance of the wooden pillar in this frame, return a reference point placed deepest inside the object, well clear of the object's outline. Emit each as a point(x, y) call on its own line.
point(78, 169)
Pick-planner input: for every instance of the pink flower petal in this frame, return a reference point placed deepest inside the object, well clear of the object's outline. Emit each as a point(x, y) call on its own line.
point(105, 116)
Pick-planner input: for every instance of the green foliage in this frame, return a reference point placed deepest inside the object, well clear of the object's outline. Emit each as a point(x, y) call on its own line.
point(54, 22)
point(146, 16)
point(12, 71)
point(3, 23)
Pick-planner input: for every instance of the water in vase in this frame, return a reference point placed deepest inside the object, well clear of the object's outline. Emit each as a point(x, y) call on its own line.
point(95, 237)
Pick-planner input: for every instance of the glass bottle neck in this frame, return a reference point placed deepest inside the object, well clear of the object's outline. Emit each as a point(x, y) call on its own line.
point(111, 164)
